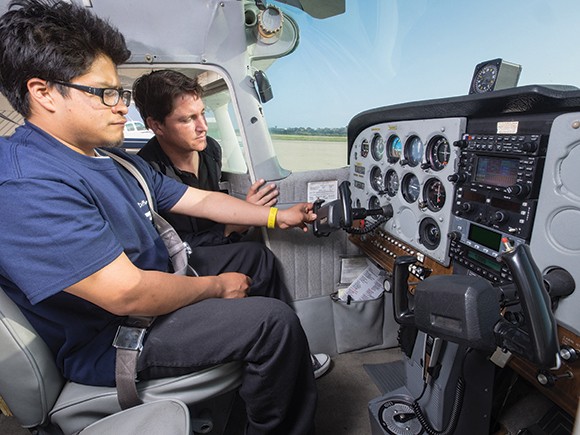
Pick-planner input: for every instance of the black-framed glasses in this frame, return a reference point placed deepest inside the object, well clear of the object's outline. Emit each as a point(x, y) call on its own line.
point(109, 96)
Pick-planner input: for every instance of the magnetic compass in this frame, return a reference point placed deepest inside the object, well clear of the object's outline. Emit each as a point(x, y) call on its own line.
point(493, 75)
point(485, 78)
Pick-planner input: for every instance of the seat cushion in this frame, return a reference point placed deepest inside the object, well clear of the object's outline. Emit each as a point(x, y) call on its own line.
point(170, 417)
point(81, 405)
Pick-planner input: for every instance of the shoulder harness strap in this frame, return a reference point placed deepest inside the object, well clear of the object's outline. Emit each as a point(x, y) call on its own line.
point(129, 338)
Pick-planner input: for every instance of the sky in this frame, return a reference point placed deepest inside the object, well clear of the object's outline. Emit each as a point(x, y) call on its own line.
point(384, 52)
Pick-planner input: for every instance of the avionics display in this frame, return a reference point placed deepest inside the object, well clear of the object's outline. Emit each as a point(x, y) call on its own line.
point(498, 181)
point(496, 171)
point(485, 237)
point(469, 195)
point(505, 204)
point(494, 265)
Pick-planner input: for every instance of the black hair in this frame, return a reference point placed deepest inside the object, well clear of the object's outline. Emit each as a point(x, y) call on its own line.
point(154, 93)
point(51, 40)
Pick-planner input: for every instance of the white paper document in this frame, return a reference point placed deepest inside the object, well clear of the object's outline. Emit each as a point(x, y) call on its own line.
point(326, 190)
point(368, 285)
point(351, 268)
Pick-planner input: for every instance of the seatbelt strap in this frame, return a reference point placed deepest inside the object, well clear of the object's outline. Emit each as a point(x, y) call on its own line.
point(129, 343)
point(178, 250)
point(129, 338)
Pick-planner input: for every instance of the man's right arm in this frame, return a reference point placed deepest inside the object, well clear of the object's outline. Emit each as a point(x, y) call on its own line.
point(125, 290)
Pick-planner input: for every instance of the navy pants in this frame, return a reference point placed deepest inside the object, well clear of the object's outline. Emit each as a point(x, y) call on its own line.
point(264, 332)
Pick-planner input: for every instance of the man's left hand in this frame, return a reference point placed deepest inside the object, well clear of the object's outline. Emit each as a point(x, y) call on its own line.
point(260, 194)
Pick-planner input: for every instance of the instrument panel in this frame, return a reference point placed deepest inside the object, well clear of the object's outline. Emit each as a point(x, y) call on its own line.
point(473, 171)
point(407, 164)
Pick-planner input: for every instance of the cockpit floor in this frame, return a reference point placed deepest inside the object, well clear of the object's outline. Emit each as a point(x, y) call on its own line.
point(344, 392)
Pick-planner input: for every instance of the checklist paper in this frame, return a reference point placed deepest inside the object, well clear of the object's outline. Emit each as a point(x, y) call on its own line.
point(368, 285)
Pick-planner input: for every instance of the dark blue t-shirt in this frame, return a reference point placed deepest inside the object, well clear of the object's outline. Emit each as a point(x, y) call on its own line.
point(63, 217)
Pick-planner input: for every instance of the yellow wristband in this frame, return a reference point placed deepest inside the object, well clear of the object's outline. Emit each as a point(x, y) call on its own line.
point(272, 217)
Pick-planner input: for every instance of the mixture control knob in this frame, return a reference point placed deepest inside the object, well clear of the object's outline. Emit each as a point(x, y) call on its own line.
point(568, 353)
point(547, 379)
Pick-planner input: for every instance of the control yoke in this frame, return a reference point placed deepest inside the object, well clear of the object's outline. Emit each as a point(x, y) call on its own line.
point(465, 309)
point(339, 214)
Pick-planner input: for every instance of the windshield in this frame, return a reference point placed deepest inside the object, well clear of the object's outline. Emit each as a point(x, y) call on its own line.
point(381, 53)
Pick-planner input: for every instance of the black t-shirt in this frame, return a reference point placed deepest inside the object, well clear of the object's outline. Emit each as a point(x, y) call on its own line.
point(195, 231)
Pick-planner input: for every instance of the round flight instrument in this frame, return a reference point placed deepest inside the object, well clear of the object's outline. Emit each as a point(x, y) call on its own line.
point(377, 147)
point(394, 148)
point(410, 188)
point(392, 182)
point(413, 151)
point(376, 179)
point(429, 233)
point(364, 148)
point(434, 194)
point(438, 152)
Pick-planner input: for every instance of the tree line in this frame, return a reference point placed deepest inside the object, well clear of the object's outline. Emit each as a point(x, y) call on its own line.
point(309, 131)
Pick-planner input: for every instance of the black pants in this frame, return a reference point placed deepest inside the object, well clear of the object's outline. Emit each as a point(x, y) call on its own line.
point(250, 258)
point(264, 332)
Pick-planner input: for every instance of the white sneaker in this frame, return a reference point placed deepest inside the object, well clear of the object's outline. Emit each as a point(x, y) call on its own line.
point(320, 364)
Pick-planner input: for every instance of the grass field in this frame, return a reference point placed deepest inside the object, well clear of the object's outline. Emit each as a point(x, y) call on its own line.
point(309, 153)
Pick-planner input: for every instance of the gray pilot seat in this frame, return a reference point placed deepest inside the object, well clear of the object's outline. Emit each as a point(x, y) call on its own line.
point(43, 401)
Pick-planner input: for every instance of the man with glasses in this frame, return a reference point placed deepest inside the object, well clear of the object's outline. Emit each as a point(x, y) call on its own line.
point(80, 252)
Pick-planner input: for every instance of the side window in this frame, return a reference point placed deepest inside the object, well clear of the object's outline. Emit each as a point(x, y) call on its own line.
point(222, 122)
point(139, 126)
point(220, 116)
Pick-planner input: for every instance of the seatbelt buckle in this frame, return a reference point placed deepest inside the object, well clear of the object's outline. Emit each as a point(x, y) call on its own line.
point(129, 338)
